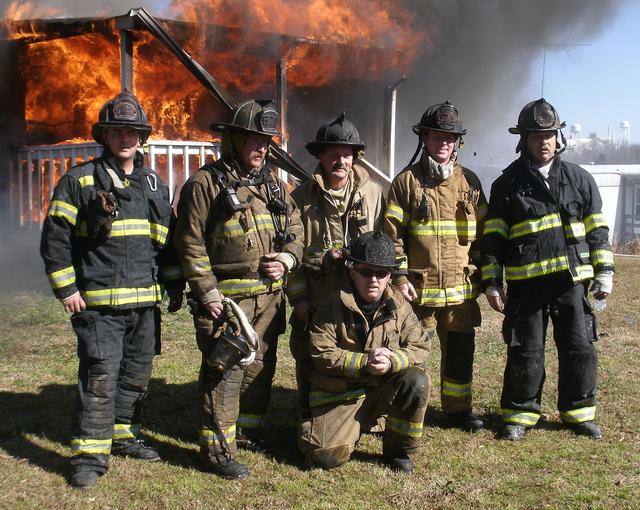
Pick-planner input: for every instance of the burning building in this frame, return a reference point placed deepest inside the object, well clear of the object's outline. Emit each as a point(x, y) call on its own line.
point(317, 64)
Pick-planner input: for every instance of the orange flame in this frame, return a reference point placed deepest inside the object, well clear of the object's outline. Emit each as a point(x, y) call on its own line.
point(238, 41)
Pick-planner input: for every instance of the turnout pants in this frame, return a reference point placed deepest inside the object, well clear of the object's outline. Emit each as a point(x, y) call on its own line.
point(239, 399)
point(529, 307)
point(455, 328)
point(328, 437)
point(115, 349)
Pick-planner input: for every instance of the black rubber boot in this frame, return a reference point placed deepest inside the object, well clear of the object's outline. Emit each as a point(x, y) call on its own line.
point(586, 428)
point(134, 448)
point(252, 442)
point(230, 470)
point(397, 460)
point(84, 479)
point(466, 420)
point(513, 432)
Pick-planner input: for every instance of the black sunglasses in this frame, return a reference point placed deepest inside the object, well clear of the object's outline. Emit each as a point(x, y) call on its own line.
point(370, 273)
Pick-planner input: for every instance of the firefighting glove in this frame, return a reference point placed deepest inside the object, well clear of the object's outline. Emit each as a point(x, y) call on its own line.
point(603, 282)
point(101, 213)
point(331, 260)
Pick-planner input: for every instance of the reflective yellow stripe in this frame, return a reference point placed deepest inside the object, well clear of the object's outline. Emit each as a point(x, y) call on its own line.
point(538, 225)
point(404, 427)
point(91, 446)
point(296, 285)
point(137, 227)
point(122, 296)
point(170, 273)
point(491, 271)
point(353, 363)
point(233, 227)
point(196, 267)
point(578, 415)
point(601, 257)
point(443, 228)
point(86, 180)
point(318, 398)
point(396, 213)
point(575, 230)
point(584, 272)
point(447, 296)
point(399, 360)
point(125, 431)
point(158, 232)
point(496, 226)
point(520, 417)
point(594, 221)
point(481, 212)
point(404, 264)
point(62, 277)
point(63, 210)
point(451, 388)
point(248, 286)
point(250, 421)
point(206, 435)
point(536, 268)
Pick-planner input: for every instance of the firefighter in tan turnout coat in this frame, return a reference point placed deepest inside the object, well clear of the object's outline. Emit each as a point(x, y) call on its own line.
point(434, 212)
point(238, 234)
point(337, 205)
point(367, 348)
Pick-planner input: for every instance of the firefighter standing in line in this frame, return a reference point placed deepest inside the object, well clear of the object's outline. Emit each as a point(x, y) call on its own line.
point(367, 348)
point(545, 232)
point(105, 240)
point(238, 234)
point(434, 213)
point(337, 205)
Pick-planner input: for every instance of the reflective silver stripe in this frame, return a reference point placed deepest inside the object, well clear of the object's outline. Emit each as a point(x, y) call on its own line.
point(62, 277)
point(496, 226)
point(353, 363)
point(233, 227)
point(536, 269)
point(599, 257)
point(520, 417)
point(248, 286)
point(538, 225)
point(399, 360)
point(137, 227)
point(296, 285)
point(196, 267)
point(575, 230)
point(158, 232)
point(170, 273)
point(206, 435)
point(250, 421)
point(122, 296)
point(404, 427)
point(454, 389)
point(91, 446)
point(397, 213)
point(63, 210)
point(448, 295)
point(491, 271)
point(125, 431)
point(584, 272)
point(318, 398)
point(443, 228)
point(578, 415)
point(594, 221)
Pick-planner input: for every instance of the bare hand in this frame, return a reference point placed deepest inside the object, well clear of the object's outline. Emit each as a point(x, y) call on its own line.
point(214, 308)
point(497, 302)
point(408, 291)
point(378, 362)
point(273, 269)
point(302, 311)
point(74, 303)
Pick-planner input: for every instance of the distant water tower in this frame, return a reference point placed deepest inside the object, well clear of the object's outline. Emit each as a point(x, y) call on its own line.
point(625, 132)
point(576, 131)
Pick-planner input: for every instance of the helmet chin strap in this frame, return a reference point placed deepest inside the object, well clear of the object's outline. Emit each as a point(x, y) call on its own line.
point(560, 147)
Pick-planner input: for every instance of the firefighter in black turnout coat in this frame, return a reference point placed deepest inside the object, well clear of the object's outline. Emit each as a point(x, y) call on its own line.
point(106, 249)
point(546, 234)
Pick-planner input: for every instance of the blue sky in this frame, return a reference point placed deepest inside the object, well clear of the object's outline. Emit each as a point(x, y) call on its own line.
point(596, 86)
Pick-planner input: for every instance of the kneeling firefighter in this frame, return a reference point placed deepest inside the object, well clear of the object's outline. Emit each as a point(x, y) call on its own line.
point(238, 235)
